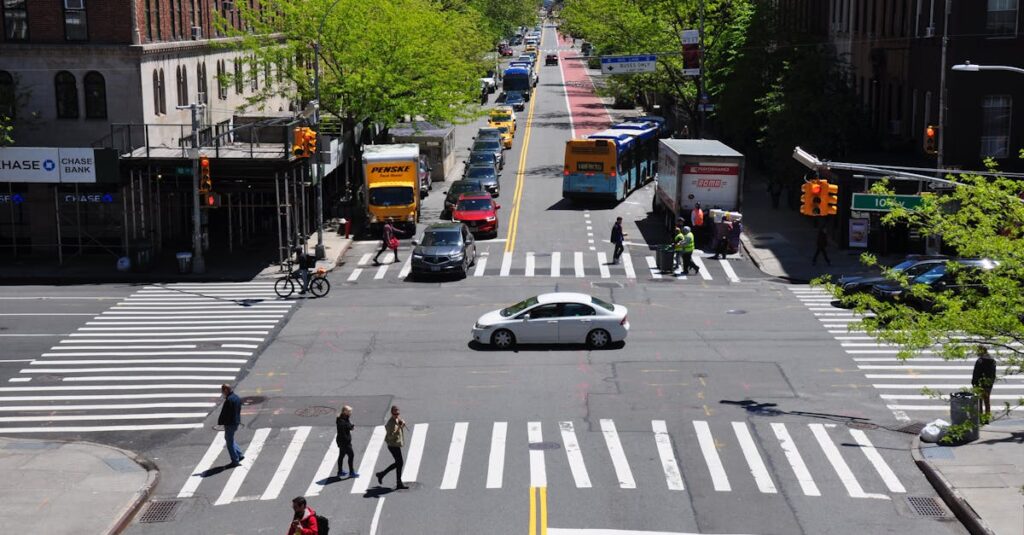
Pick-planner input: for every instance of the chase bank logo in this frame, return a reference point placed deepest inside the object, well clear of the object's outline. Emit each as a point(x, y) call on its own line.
point(49, 165)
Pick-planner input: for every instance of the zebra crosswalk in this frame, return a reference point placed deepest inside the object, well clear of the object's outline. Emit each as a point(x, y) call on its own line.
point(153, 361)
point(564, 454)
point(902, 383)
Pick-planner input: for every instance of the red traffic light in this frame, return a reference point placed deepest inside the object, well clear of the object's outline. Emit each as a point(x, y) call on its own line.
point(930, 131)
point(204, 162)
point(815, 188)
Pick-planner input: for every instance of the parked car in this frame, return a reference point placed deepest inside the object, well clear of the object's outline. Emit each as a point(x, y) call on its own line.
point(912, 266)
point(479, 212)
point(567, 318)
point(506, 135)
point(426, 182)
point(445, 248)
point(939, 278)
point(516, 100)
point(551, 59)
point(488, 132)
point(485, 175)
point(481, 158)
point(516, 40)
point(459, 187)
point(491, 145)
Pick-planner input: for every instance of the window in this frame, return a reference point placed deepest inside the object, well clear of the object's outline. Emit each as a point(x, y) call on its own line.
point(201, 83)
point(570, 310)
point(254, 74)
point(545, 311)
point(16, 20)
point(7, 98)
point(1002, 17)
point(238, 75)
point(75, 28)
point(995, 126)
point(149, 20)
point(174, 20)
point(95, 96)
point(222, 86)
point(66, 90)
point(182, 86)
point(156, 92)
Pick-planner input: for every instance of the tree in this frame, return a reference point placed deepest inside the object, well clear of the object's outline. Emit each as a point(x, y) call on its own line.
point(6, 131)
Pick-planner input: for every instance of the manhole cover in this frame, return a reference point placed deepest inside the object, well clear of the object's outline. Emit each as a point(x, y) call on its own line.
point(253, 400)
point(544, 446)
point(855, 424)
point(159, 511)
point(912, 428)
point(736, 311)
point(607, 284)
point(926, 506)
point(315, 410)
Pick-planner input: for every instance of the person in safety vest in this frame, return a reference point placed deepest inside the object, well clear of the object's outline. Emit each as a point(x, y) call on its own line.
point(688, 244)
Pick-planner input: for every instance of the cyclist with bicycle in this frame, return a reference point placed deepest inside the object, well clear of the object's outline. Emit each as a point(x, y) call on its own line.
point(304, 263)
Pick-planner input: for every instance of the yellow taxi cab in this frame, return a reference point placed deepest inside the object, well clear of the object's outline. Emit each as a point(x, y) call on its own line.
point(503, 116)
point(530, 49)
point(506, 133)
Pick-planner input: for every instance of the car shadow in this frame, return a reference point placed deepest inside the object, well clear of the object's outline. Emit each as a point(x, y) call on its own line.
point(546, 348)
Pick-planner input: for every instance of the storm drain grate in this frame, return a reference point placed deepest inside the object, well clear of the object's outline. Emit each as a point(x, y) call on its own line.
point(926, 506)
point(314, 411)
point(159, 511)
point(857, 424)
point(912, 429)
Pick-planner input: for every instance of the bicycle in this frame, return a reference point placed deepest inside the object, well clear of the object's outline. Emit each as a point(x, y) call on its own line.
point(285, 286)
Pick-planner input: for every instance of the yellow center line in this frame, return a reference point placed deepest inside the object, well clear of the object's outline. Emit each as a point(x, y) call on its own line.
point(517, 196)
point(538, 511)
point(533, 510)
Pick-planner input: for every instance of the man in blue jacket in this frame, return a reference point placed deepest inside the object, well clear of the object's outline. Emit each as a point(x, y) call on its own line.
point(231, 418)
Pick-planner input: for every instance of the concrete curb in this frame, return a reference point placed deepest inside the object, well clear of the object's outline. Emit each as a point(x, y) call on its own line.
point(141, 496)
point(956, 503)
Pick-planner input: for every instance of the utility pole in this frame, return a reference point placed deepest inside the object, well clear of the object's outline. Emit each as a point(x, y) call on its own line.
point(320, 252)
point(942, 90)
point(198, 263)
point(700, 77)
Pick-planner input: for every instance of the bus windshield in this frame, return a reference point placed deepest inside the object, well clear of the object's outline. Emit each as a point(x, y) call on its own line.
point(590, 156)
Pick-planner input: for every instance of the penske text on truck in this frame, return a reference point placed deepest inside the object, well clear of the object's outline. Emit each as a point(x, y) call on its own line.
point(697, 170)
point(392, 190)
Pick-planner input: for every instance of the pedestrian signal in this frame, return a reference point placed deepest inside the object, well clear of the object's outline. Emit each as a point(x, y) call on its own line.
point(211, 200)
point(205, 182)
point(931, 139)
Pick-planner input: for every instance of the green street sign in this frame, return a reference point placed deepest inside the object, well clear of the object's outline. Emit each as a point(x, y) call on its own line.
point(867, 202)
point(184, 171)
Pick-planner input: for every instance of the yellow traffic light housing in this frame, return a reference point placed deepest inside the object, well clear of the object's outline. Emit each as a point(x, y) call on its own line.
point(310, 139)
point(830, 192)
point(299, 146)
point(931, 139)
point(810, 201)
point(205, 181)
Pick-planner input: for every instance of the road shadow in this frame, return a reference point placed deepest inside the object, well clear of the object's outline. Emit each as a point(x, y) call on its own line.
point(545, 348)
point(652, 230)
point(553, 171)
point(581, 204)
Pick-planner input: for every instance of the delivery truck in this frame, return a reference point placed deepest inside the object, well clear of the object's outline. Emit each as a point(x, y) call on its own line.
point(696, 170)
point(391, 189)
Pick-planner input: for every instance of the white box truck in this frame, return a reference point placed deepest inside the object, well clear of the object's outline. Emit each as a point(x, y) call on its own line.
point(696, 170)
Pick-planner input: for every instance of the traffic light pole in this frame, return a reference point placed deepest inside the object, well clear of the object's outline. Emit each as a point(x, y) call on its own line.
point(198, 263)
point(942, 91)
point(320, 252)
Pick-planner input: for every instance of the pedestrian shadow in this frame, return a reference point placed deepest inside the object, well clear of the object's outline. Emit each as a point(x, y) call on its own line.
point(377, 492)
point(214, 471)
point(330, 480)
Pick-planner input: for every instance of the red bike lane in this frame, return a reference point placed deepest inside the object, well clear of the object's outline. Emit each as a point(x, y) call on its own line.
point(587, 112)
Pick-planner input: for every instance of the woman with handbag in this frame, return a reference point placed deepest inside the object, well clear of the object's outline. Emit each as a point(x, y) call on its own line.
point(389, 240)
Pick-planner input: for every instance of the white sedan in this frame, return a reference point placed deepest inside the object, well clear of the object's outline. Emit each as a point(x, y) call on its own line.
point(568, 318)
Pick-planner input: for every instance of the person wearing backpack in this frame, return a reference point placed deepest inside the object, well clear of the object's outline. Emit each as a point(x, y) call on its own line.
point(304, 519)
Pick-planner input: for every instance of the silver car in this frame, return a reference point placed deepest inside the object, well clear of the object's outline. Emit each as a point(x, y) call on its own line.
point(566, 318)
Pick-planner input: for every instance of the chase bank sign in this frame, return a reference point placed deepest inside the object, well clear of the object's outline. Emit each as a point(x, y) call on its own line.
point(47, 165)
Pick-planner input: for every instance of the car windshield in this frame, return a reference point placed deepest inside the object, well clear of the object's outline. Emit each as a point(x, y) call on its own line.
point(904, 265)
point(480, 172)
point(501, 118)
point(391, 196)
point(603, 304)
point(518, 307)
point(503, 129)
point(918, 269)
point(514, 97)
point(465, 187)
point(487, 144)
point(931, 275)
point(473, 205)
point(442, 237)
point(481, 157)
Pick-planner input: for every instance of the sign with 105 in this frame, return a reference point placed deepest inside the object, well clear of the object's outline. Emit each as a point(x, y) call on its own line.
point(869, 202)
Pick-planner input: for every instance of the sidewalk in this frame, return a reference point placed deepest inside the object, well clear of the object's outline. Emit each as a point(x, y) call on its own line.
point(982, 482)
point(58, 488)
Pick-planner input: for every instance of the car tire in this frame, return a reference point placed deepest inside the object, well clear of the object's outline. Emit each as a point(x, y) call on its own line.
point(503, 339)
point(598, 339)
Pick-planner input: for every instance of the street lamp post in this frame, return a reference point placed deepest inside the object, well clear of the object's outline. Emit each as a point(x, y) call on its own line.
point(970, 67)
point(320, 252)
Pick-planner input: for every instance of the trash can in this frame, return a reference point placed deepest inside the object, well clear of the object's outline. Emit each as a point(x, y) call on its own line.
point(665, 259)
point(184, 262)
point(963, 409)
point(142, 255)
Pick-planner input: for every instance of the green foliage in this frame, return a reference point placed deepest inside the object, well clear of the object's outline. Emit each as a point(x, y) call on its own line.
point(6, 131)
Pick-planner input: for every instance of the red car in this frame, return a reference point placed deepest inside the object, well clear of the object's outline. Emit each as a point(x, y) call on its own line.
point(479, 212)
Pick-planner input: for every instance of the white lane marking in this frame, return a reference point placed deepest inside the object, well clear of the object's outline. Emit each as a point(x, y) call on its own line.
point(151, 331)
point(655, 272)
point(853, 488)
point(46, 314)
point(711, 458)
point(496, 460)
point(627, 263)
point(406, 267)
point(104, 398)
point(796, 461)
point(453, 467)
point(291, 454)
point(205, 463)
point(481, 265)
point(572, 451)
point(884, 471)
point(729, 272)
point(753, 457)
point(538, 474)
point(95, 378)
point(704, 273)
point(411, 470)
point(565, 91)
point(109, 387)
point(673, 477)
point(239, 346)
point(130, 341)
point(556, 264)
point(323, 472)
point(602, 264)
point(19, 379)
point(245, 323)
point(164, 346)
point(99, 428)
point(122, 406)
point(506, 264)
point(376, 515)
point(901, 397)
point(81, 417)
point(381, 272)
point(530, 263)
point(128, 369)
point(50, 361)
point(369, 462)
point(577, 261)
point(611, 439)
point(252, 451)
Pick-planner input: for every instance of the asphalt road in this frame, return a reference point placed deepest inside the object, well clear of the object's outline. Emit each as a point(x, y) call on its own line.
point(729, 409)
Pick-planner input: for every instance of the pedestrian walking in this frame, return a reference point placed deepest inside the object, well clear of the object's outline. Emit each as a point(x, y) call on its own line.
point(304, 521)
point(677, 248)
point(394, 437)
point(820, 249)
point(388, 240)
point(697, 223)
point(689, 243)
point(617, 238)
point(722, 231)
point(344, 441)
point(231, 417)
point(982, 379)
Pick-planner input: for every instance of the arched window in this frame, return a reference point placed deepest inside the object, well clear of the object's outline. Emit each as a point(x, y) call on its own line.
point(95, 96)
point(163, 92)
point(182, 86)
point(66, 90)
point(7, 97)
point(202, 85)
point(222, 90)
point(238, 75)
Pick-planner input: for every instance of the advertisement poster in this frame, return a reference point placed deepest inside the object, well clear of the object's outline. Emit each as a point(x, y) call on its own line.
point(859, 232)
point(691, 52)
point(712, 185)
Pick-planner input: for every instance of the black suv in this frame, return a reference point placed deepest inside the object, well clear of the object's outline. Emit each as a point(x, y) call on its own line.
point(444, 248)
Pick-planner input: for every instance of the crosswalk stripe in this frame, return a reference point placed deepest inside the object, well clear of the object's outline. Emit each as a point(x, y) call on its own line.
point(411, 470)
point(796, 461)
point(538, 474)
point(655, 272)
point(572, 451)
point(556, 264)
point(703, 271)
point(842, 469)
point(753, 457)
point(205, 463)
point(291, 455)
point(406, 267)
point(884, 471)
point(602, 264)
point(578, 264)
point(496, 460)
point(369, 462)
point(730, 273)
point(481, 265)
point(673, 477)
point(619, 462)
point(381, 271)
point(711, 458)
point(454, 465)
point(627, 264)
point(506, 264)
point(323, 472)
point(238, 474)
point(359, 267)
point(530, 264)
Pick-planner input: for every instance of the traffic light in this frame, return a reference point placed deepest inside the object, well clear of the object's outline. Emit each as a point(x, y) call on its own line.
point(310, 141)
point(299, 148)
point(810, 201)
point(211, 200)
point(830, 196)
point(931, 139)
point(205, 182)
